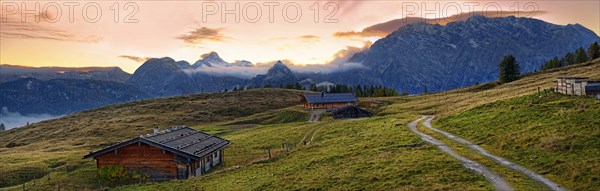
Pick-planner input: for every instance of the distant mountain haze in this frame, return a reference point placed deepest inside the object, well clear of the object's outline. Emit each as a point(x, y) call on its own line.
point(415, 57)
point(63, 96)
point(13, 72)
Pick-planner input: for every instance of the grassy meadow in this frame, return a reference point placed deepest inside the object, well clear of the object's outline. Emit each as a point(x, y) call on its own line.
point(31, 152)
point(379, 153)
point(556, 136)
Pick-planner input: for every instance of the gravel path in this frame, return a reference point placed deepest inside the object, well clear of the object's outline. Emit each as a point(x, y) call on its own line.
point(498, 181)
point(315, 115)
point(539, 178)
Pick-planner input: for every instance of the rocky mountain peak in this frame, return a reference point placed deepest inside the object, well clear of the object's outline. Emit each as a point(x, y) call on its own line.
point(212, 57)
point(279, 67)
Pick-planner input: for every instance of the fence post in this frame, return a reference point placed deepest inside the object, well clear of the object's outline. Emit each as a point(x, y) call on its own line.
point(269, 153)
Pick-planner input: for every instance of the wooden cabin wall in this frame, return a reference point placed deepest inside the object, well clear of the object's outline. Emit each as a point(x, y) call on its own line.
point(150, 160)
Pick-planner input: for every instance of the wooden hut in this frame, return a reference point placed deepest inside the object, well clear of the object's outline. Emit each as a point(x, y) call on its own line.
point(577, 86)
point(328, 100)
point(175, 153)
point(350, 112)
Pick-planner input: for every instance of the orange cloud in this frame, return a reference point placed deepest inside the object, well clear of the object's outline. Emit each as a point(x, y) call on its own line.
point(199, 35)
point(309, 38)
point(383, 29)
point(11, 26)
point(135, 58)
point(344, 55)
point(304, 38)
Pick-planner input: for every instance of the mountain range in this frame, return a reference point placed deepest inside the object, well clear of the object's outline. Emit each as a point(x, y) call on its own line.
point(467, 52)
point(63, 96)
point(413, 58)
point(12, 72)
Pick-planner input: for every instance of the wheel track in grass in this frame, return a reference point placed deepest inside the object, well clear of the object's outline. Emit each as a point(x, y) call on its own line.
point(498, 182)
point(538, 178)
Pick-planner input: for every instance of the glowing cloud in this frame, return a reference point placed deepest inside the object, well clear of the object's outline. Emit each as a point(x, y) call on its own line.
point(199, 35)
point(135, 58)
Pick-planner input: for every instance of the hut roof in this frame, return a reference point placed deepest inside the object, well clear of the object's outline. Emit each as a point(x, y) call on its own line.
point(180, 140)
point(593, 87)
point(330, 98)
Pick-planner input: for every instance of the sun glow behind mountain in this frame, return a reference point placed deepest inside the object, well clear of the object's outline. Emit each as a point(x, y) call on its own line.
point(184, 30)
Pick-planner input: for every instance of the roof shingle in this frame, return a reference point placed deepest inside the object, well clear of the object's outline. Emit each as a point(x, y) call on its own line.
point(181, 140)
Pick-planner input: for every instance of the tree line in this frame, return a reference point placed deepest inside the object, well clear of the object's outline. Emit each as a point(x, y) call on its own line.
point(578, 56)
point(358, 90)
point(509, 69)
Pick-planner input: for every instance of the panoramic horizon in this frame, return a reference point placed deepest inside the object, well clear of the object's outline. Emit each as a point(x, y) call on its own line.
point(238, 95)
point(248, 31)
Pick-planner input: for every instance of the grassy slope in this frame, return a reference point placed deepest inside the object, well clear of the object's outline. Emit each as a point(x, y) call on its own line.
point(572, 168)
point(373, 154)
point(459, 100)
point(384, 149)
point(32, 151)
point(377, 153)
point(555, 135)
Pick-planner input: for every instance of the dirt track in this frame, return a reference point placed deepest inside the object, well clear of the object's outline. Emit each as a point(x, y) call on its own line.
point(539, 178)
point(498, 182)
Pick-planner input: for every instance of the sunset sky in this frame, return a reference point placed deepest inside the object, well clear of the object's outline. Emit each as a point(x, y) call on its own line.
point(177, 29)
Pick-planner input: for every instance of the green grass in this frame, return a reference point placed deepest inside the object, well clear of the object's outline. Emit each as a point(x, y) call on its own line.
point(373, 154)
point(24, 151)
point(555, 135)
point(286, 115)
point(516, 179)
point(367, 154)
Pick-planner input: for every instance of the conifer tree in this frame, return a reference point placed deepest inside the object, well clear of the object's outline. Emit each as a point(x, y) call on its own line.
point(581, 56)
point(593, 51)
point(509, 69)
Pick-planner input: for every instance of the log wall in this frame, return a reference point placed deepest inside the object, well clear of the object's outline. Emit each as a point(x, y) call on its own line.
point(149, 160)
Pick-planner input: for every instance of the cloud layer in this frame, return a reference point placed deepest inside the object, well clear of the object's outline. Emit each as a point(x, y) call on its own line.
point(15, 119)
point(243, 72)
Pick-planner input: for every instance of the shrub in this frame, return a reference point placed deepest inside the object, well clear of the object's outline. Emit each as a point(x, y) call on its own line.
point(119, 174)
